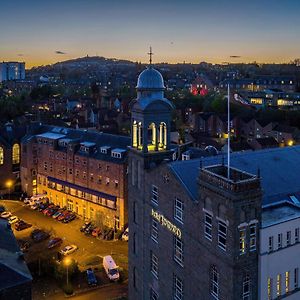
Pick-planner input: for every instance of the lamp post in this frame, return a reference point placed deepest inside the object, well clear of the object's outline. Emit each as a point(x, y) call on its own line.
point(67, 262)
point(9, 184)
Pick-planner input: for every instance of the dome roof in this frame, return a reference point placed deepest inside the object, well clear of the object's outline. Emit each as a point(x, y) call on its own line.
point(150, 79)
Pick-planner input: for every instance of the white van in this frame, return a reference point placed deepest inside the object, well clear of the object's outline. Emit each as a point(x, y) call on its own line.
point(36, 198)
point(111, 268)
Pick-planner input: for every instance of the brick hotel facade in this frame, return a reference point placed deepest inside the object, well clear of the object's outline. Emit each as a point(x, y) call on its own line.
point(78, 169)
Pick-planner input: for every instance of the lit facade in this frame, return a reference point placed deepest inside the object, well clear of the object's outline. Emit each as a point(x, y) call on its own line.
point(12, 71)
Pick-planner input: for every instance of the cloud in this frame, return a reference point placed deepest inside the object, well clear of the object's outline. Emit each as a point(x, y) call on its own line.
point(60, 52)
point(235, 56)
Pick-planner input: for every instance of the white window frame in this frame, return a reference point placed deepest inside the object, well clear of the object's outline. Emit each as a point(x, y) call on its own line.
point(247, 293)
point(243, 237)
point(215, 283)
point(253, 237)
point(178, 250)
point(154, 194)
point(177, 288)
point(208, 225)
point(178, 210)
point(279, 240)
point(288, 238)
point(222, 235)
point(154, 230)
point(154, 265)
point(153, 294)
point(271, 243)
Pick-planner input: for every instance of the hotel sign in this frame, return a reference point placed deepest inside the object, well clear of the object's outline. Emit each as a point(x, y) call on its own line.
point(166, 223)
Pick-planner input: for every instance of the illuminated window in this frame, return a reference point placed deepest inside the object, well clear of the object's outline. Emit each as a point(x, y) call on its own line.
point(1, 156)
point(214, 283)
point(287, 282)
point(208, 226)
point(278, 285)
point(253, 237)
point(242, 240)
point(246, 288)
point(269, 288)
point(16, 154)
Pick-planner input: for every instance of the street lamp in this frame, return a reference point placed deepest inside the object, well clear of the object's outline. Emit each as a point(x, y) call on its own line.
point(67, 261)
point(9, 184)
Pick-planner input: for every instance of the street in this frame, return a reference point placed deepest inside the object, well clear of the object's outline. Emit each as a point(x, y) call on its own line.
point(90, 250)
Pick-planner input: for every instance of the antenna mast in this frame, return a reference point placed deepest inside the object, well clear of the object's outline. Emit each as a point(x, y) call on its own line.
point(228, 132)
point(150, 53)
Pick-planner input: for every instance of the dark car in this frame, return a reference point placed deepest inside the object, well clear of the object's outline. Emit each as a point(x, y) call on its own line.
point(89, 229)
point(69, 218)
point(39, 235)
point(91, 278)
point(21, 225)
point(24, 245)
point(52, 211)
point(43, 206)
point(85, 225)
point(2, 209)
point(54, 242)
point(63, 215)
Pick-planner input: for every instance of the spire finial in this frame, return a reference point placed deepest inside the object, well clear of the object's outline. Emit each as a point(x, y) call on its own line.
point(150, 53)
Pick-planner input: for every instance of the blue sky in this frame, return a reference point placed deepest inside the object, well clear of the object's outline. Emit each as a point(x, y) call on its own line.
point(190, 30)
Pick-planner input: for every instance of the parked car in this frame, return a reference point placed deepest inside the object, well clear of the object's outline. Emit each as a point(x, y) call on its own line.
point(39, 235)
point(43, 206)
point(45, 211)
point(21, 225)
point(69, 218)
point(6, 215)
point(110, 267)
point(109, 235)
point(63, 215)
point(52, 211)
point(96, 232)
point(68, 249)
point(125, 235)
point(91, 278)
point(24, 245)
point(54, 242)
point(89, 229)
point(85, 225)
point(57, 214)
point(13, 219)
point(34, 206)
point(27, 201)
point(2, 208)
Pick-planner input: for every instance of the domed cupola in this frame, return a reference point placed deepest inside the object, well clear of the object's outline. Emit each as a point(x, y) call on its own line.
point(150, 80)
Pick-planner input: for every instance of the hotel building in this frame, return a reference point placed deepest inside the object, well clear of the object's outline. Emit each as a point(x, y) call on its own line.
point(82, 170)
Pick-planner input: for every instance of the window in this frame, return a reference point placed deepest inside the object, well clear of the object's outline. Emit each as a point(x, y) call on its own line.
point(287, 282)
point(45, 166)
point(107, 168)
point(99, 179)
point(154, 265)
point(278, 285)
point(214, 283)
point(134, 212)
point(208, 226)
point(116, 183)
point(134, 277)
point(279, 240)
point(296, 235)
point(296, 277)
point(178, 210)
point(154, 230)
point(270, 288)
point(16, 154)
point(253, 237)
point(246, 287)
point(134, 243)
point(288, 238)
point(1, 156)
point(177, 288)
point(154, 197)
point(77, 173)
point(271, 243)
point(222, 232)
point(153, 295)
point(178, 250)
point(242, 240)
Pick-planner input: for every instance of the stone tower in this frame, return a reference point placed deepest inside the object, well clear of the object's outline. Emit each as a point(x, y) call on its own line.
point(230, 241)
point(150, 145)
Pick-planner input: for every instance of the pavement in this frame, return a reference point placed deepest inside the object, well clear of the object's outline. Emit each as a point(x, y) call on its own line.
point(90, 250)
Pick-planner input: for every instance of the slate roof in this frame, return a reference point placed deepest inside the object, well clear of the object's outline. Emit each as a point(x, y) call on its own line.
point(13, 268)
point(279, 170)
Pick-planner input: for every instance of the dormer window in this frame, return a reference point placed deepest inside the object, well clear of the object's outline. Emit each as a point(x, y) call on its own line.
point(116, 154)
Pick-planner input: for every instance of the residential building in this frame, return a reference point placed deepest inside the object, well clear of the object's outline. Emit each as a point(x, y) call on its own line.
point(12, 71)
point(15, 283)
point(85, 171)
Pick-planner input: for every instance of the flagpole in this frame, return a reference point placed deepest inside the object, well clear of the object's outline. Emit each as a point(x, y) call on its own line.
point(228, 132)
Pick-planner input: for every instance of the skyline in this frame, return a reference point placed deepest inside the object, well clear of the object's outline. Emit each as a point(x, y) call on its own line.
point(190, 31)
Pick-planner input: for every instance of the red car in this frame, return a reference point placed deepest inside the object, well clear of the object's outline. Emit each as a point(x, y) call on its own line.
point(96, 232)
point(63, 215)
point(54, 242)
point(45, 211)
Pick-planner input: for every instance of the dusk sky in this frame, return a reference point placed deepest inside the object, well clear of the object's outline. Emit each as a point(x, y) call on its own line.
point(191, 30)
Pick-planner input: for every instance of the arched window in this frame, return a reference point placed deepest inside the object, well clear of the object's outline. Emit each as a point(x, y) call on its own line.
point(16, 154)
point(214, 285)
point(1, 156)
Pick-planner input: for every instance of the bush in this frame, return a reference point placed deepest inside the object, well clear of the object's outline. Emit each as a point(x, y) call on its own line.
point(68, 289)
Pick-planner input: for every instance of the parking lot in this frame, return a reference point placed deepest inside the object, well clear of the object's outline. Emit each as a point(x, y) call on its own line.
point(90, 249)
